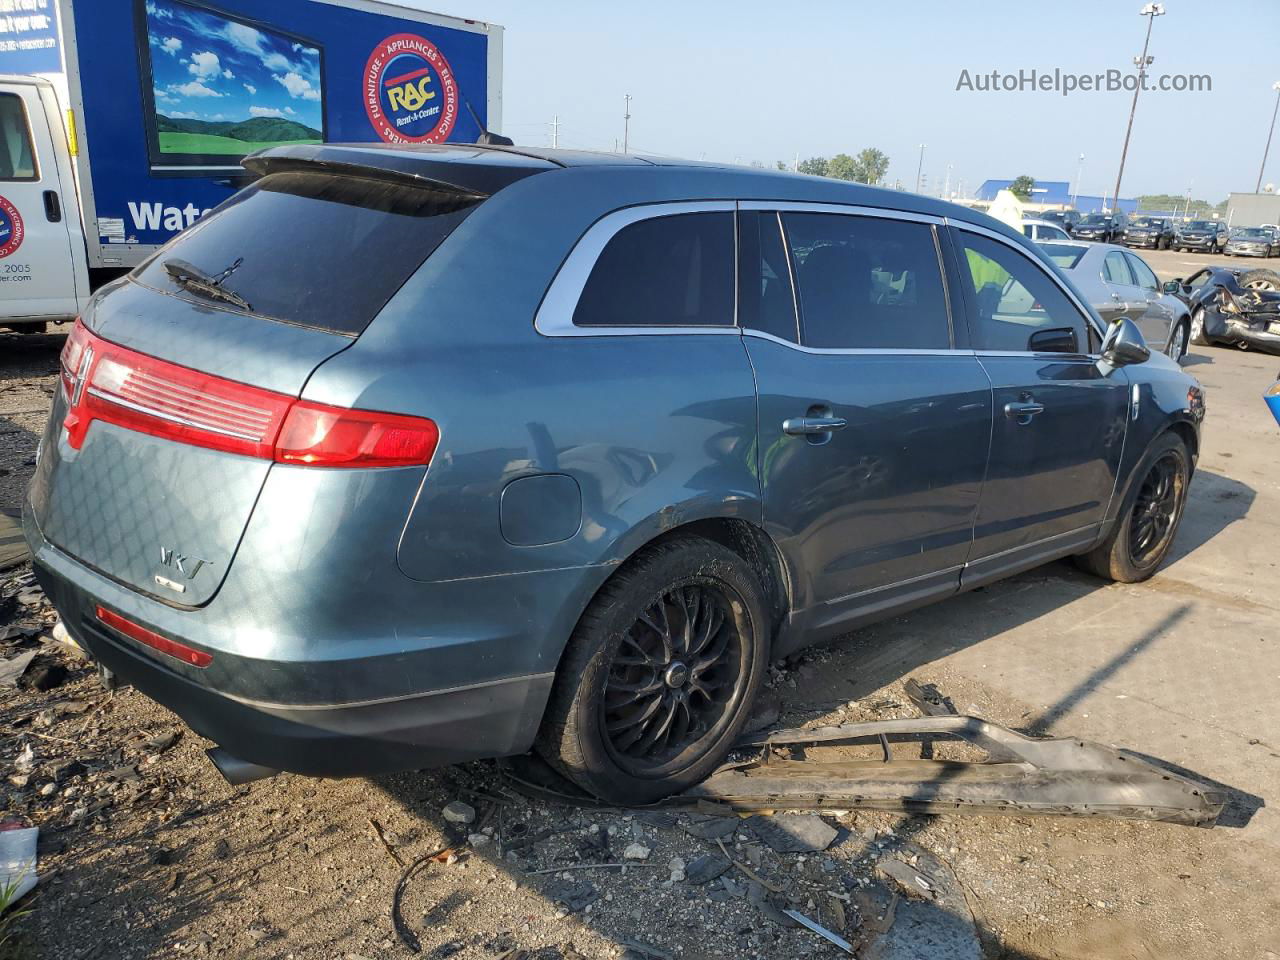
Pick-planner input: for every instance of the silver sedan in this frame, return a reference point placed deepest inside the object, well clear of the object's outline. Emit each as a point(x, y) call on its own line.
point(1119, 284)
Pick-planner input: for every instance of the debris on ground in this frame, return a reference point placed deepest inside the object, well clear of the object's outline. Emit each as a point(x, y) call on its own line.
point(17, 861)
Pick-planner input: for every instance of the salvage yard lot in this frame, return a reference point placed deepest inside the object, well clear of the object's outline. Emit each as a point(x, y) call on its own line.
point(148, 853)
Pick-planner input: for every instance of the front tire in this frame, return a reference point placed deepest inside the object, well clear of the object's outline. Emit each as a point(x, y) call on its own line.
point(1177, 347)
point(1142, 534)
point(1198, 336)
point(658, 678)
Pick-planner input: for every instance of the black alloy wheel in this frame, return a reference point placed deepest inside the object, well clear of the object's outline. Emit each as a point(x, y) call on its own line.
point(1155, 511)
point(679, 671)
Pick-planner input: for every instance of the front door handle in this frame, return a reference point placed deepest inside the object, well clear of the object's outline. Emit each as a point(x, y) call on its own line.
point(52, 206)
point(1023, 411)
point(812, 426)
point(1116, 297)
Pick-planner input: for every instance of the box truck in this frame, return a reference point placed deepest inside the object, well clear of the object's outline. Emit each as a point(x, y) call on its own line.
point(124, 121)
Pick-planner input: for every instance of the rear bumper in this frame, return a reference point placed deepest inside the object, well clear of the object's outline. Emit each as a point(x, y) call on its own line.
point(490, 718)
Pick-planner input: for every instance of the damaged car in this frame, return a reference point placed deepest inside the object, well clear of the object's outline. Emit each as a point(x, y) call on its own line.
point(1232, 306)
point(555, 450)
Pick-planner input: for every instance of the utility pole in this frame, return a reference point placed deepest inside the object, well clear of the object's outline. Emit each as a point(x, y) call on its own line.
point(1150, 11)
point(1262, 169)
point(795, 167)
point(946, 187)
point(1075, 196)
point(920, 167)
point(626, 122)
point(555, 131)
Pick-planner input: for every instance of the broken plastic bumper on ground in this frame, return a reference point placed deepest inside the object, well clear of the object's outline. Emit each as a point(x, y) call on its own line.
point(1021, 775)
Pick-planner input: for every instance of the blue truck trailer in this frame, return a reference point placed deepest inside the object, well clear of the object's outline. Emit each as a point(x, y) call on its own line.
point(124, 121)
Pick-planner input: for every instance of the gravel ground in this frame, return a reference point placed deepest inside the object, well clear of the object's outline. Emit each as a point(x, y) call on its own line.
point(146, 852)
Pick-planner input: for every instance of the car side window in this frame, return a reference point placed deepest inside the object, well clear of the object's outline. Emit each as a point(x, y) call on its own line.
point(676, 270)
point(1013, 298)
point(765, 300)
point(1115, 270)
point(1142, 273)
point(17, 161)
point(867, 283)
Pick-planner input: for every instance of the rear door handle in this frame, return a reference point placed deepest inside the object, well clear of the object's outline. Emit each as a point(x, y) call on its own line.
point(812, 426)
point(1023, 411)
point(52, 206)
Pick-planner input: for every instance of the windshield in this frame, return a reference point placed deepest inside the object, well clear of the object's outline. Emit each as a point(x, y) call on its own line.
point(1063, 254)
point(315, 249)
point(1096, 218)
point(1200, 225)
point(1146, 222)
point(1252, 233)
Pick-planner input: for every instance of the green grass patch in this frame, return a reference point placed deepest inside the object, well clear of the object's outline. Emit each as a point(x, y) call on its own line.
point(204, 143)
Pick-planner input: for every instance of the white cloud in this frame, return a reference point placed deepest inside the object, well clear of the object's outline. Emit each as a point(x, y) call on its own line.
point(171, 46)
point(244, 38)
point(194, 89)
point(251, 88)
point(298, 86)
point(181, 115)
point(228, 74)
point(205, 65)
point(265, 112)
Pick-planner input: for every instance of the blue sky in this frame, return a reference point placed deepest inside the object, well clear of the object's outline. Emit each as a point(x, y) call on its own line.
point(751, 80)
point(207, 67)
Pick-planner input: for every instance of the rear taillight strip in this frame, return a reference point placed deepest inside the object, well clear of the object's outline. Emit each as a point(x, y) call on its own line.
point(106, 382)
point(171, 417)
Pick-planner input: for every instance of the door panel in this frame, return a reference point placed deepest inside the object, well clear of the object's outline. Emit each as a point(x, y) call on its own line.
point(873, 432)
point(1155, 319)
point(889, 497)
point(1059, 423)
point(36, 269)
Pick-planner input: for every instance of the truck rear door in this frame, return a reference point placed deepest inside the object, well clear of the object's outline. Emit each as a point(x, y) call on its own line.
point(37, 266)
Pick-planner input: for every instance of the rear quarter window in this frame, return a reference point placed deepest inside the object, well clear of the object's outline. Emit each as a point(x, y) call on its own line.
point(315, 249)
point(675, 270)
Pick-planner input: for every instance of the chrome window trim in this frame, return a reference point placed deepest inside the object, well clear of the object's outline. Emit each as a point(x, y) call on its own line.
point(885, 213)
point(555, 314)
point(962, 226)
point(861, 351)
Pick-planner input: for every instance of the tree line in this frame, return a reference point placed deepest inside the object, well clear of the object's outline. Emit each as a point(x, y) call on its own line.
point(869, 166)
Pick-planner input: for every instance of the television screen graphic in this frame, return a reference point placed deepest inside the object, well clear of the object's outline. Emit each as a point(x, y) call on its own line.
point(222, 87)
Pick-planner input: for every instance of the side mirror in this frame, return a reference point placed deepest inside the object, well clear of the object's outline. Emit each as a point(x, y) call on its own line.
point(1123, 344)
point(1172, 286)
point(1054, 340)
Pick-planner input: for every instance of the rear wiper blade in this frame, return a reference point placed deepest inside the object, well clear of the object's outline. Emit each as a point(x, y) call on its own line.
point(194, 279)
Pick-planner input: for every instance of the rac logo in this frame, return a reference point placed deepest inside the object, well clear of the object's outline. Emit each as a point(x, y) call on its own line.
point(410, 91)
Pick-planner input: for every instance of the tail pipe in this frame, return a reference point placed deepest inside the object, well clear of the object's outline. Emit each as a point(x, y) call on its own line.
point(236, 771)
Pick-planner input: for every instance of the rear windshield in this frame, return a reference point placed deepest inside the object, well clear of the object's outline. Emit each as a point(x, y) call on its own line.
point(1064, 255)
point(315, 249)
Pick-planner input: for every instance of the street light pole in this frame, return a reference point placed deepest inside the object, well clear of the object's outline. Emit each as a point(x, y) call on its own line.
point(920, 167)
point(1261, 170)
point(1075, 196)
point(1151, 11)
point(626, 122)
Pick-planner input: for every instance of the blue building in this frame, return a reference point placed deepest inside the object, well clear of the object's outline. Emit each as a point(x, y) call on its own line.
point(1055, 193)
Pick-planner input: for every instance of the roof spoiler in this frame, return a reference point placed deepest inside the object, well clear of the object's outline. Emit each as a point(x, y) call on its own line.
point(262, 165)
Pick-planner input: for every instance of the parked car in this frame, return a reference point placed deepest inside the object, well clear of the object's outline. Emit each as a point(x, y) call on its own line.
point(1251, 242)
point(1066, 219)
point(1042, 230)
point(1156, 233)
point(1121, 285)
point(1231, 305)
point(1102, 227)
point(1207, 235)
point(592, 439)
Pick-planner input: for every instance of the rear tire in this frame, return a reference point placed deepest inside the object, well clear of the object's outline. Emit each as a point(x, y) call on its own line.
point(1148, 521)
point(635, 713)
